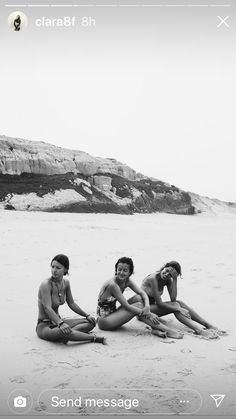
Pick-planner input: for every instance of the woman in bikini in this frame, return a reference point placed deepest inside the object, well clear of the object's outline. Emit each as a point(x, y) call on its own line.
point(110, 317)
point(154, 285)
point(54, 292)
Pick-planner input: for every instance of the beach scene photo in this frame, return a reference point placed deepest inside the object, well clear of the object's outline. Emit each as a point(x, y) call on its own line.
point(133, 357)
point(118, 212)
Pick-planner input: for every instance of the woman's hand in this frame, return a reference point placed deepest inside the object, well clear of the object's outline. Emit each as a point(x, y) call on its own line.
point(65, 328)
point(173, 272)
point(185, 312)
point(153, 318)
point(91, 320)
point(145, 311)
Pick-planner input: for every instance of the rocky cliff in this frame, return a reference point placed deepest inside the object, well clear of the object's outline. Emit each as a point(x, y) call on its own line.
point(37, 176)
point(19, 156)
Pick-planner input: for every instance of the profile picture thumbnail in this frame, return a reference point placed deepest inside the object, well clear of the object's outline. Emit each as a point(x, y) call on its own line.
point(17, 21)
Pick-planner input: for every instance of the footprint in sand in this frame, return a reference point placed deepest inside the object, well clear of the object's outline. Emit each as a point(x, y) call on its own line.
point(40, 369)
point(230, 368)
point(62, 385)
point(33, 351)
point(18, 379)
point(97, 351)
point(185, 350)
point(76, 364)
point(185, 372)
point(178, 381)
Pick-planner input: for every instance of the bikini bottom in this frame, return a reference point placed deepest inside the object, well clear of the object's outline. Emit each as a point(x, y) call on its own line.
point(151, 300)
point(105, 308)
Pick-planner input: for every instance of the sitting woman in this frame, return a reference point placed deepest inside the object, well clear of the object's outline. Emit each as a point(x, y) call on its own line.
point(54, 292)
point(154, 285)
point(110, 317)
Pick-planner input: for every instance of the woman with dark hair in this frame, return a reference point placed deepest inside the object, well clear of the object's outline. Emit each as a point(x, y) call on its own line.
point(54, 292)
point(110, 317)
point(154, 285)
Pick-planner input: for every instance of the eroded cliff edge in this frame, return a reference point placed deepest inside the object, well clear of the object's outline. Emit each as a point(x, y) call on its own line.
point(37, 176)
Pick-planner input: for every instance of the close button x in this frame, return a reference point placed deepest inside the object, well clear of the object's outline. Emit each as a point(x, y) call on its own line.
point(223, 21)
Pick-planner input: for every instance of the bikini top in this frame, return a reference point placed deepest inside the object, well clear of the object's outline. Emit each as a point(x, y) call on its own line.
point(110, 299)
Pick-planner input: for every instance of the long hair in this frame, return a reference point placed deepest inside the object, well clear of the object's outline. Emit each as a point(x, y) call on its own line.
point(173, 264)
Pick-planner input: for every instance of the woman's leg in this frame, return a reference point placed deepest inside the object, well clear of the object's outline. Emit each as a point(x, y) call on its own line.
point(170, 333)
point(122, 316)
point(79, 324)
point(191, 323)
point(198, 319)
point(163, 311)
point(160, 329)
point(195, 316)
point(116, 319)
point(56, 335)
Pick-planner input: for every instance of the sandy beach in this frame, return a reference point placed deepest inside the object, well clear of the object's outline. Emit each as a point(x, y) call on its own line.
point(133, 359)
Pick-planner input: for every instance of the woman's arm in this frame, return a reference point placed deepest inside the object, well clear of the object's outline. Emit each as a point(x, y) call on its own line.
point(115, 291)
point(143, 295)
point(172, 289)
point(172, 308)
point(46, 301)
point(70, 301)
point(73, 306)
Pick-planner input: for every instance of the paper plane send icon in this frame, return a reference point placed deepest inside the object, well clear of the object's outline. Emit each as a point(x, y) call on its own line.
point(218, 399)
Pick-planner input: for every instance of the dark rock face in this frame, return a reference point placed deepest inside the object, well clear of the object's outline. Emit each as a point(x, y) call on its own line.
point(125, 197)
point(39, 176)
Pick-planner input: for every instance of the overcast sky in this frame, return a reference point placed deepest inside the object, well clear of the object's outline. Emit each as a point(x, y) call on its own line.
point(151, 87)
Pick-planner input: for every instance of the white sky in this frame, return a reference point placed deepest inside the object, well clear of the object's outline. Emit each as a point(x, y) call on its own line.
point(154, 90)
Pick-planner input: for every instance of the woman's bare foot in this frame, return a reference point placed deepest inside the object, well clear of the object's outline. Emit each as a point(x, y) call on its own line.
point(222, 332)
point(174, 334)
point(218, 331)
point(99, 339)
point(159, 333)
point(208, 334)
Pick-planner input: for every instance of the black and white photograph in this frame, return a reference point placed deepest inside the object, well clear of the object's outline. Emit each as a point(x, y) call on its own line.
point(118, 208)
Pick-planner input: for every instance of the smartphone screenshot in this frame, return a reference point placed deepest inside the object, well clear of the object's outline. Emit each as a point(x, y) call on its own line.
point(117, 208)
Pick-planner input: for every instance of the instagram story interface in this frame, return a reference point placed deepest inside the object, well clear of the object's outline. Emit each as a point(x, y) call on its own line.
point(117, 207)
